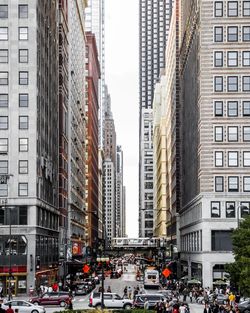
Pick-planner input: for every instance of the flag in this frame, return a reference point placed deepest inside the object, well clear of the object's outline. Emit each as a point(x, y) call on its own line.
point(166, 272)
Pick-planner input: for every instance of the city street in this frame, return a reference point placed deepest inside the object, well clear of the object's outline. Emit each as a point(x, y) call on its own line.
point(117, 286)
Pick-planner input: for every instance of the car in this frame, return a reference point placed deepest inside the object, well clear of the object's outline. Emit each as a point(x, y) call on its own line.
point(220, 298)
point(244, 306)
point(91, 282)
point(111, 300)
point(83, 289)
point(168, 294)
point(23, 306)
point(52, 298)
point(152, 299)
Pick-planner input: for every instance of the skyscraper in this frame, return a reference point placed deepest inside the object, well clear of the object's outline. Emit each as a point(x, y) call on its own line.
point(154, 26)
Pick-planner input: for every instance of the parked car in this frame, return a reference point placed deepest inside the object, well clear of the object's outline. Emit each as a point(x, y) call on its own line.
point(52, 298)
point(244, 306)
point(111, 300)
point(23, 306)
point(152, 299)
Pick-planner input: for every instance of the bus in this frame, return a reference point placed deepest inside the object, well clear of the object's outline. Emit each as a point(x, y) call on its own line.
point(151, 279)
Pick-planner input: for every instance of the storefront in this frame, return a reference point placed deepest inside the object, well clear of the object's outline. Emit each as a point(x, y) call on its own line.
point(196, 271)
point(17, 280)
point(46, 277)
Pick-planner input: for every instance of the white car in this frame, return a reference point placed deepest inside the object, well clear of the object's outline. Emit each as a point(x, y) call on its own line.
point(24, 306)
point(111, 300)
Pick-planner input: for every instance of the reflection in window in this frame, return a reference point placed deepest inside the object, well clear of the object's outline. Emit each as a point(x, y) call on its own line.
point(244, 209)
point(215, 209)
point(16, 245)
point(230, 209)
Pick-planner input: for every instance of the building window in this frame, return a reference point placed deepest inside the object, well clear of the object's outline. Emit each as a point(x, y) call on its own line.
point(246, 33)
point(230, 209)
point(218, 133)
point(232, 133)
point(23, 167)
point(246, 8)
point(23, 33)
point(23, 11)
point(23, 144)
point(4, 78)
point(4, 100)
point(218, 108)
point(232, 159)
point(218, 158)
point(246, 83)
point(23, 189)
point(219, 184)
point(23, 122)
point(23, 78)
point(218, 83)
point(215, 209)
point(232, 83)
point(232, 58)
point(3, 190)
point(246, 184)
point(246, 133)
point(221, 240)
point(23, 56)
point(3, 167)
point(3, 33)
point(245, 209)
point(218, 34)
point(4, 56)
point(233, 183)
point(246, 58)
point(232, 108)
point(246, 158)
point(232, 8)
point(3, 122)
point(218, 59)
point(3, 11)
point(232, 33)
point(23, 100)
point(3, 145)
point(218, 9)
point(246, 108)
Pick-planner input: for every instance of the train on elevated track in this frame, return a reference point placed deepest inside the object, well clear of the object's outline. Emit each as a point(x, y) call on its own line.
point(153, 242)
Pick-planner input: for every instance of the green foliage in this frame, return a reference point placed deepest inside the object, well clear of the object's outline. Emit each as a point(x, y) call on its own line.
point(240, 270)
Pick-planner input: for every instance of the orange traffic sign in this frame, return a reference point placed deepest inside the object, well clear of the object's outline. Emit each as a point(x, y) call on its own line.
point(86, 268)
point(166, 272)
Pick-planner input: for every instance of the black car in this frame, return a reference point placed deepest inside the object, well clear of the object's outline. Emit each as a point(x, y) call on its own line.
point(83, 289)
point(152, 299)
point(244, 306)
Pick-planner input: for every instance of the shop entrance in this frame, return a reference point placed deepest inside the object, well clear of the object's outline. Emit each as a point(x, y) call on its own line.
point(13, 286)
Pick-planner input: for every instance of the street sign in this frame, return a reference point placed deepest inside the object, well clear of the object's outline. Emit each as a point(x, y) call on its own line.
point(166, 272)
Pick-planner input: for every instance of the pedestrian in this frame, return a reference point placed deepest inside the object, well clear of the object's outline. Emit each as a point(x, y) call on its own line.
point(146, 304)
point(135, 292)
point(109, 289)
point(125, 292)
point(129, 292)
point(182, 308)
point(207, 309)
point(1, 309)
point(9, 310)
point(191, 296)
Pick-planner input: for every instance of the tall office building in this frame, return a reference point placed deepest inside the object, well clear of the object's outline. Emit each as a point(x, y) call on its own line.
point(29, 143)
point(76, 128)
point(154, 26)
point(120, 195)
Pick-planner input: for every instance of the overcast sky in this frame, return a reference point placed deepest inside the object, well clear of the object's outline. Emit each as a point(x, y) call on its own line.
point(122, 76)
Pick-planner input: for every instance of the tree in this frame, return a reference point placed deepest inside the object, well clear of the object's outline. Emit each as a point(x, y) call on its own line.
point(240, 270)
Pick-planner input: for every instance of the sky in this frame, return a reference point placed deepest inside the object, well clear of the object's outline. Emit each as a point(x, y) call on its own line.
point(122, 78)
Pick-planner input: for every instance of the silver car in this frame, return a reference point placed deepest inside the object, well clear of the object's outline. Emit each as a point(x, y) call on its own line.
point(23, 306)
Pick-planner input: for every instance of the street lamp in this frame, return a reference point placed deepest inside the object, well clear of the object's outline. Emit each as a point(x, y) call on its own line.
point(102, 260)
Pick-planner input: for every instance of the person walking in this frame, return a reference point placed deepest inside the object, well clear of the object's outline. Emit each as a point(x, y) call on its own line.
point(1, 309)
point(129, 292)
point(207, 309)
point(109, 289)
point(9, 310)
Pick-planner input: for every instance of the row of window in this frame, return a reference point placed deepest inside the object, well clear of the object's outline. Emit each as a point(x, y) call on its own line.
point(232, 108)
point(23, 33)
point(23, 11)
point(230, 209)
point(232, 133)
point(23, 55)
point(23, 167)
point(232, 58)
point(232, 8)
point(233, 33)
point(23, 100)
point(232, 158)
point(22, 190)
point(23, 78)
point(23, 145)
point(233, 84)
point(23, 122)
point(233, 184)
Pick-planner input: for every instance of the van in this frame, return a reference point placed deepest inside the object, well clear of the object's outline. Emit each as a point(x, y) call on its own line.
point(151, 279)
